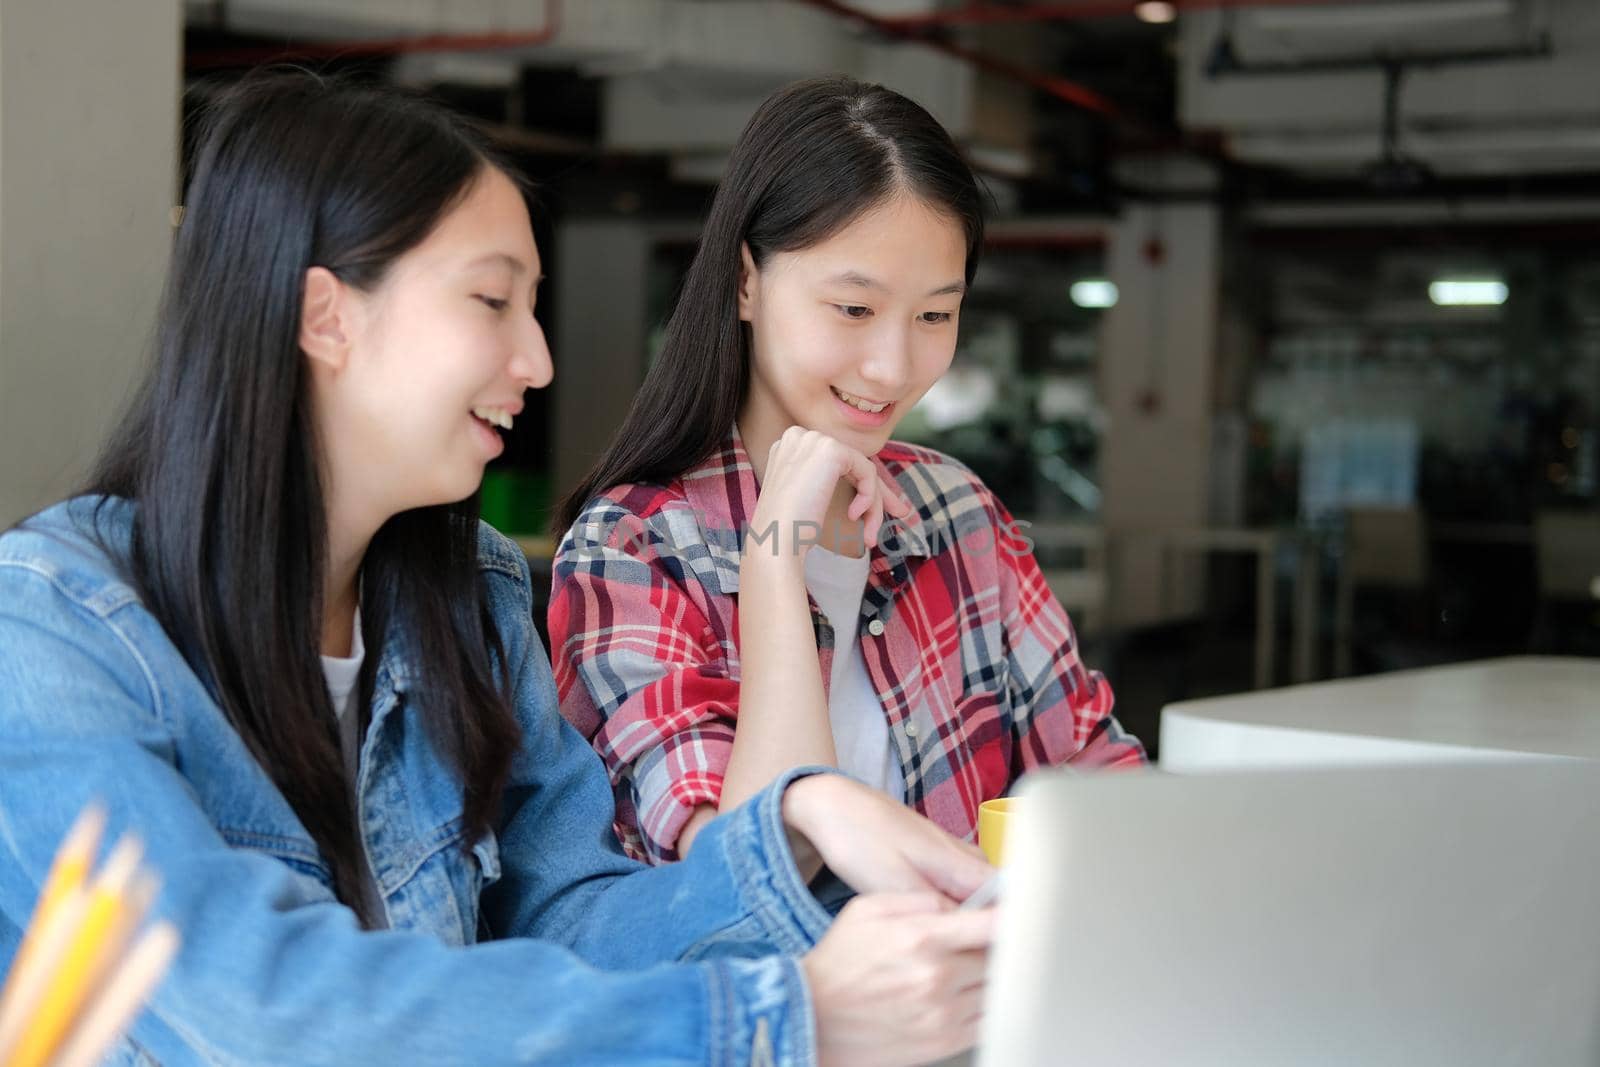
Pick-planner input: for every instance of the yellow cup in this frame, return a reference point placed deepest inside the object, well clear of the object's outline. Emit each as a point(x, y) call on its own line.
point(992, 818)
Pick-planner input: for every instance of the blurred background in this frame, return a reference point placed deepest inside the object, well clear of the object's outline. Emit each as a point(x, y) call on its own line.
point(1286, 337)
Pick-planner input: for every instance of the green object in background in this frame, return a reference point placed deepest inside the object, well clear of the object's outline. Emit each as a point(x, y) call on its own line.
point(516, 502)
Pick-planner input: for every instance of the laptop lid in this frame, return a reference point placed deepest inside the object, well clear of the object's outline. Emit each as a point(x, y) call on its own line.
point(1385, 915)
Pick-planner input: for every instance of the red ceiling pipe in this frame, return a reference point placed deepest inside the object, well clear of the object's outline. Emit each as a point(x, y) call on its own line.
point(390, 46)
point(1066, 89)
point(1074, 93)
point(989, 14)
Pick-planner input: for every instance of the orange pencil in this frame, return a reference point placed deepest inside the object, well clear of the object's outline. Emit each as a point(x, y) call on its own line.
point(68, 870)
point(29, 984)
point(92, 942)
point(127, 989)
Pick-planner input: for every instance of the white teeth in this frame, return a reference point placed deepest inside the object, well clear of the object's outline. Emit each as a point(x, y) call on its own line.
point(494, 416)
point(859, 404)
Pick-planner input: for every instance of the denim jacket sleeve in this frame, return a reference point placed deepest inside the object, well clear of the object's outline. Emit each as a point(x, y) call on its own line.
point(273, 971)
point(565, 877)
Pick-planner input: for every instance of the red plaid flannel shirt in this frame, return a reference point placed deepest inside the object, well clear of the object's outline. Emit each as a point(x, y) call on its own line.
point(975, 662)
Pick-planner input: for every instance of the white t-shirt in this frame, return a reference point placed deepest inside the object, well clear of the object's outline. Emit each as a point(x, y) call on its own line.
point(855, 712)
point(342, 674)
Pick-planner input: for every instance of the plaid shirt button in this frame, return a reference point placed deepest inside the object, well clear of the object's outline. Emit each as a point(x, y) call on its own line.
point(875, 627)
point(911, 729)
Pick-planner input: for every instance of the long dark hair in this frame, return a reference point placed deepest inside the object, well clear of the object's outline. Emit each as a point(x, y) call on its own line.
point(816, 155)
point(219, 449)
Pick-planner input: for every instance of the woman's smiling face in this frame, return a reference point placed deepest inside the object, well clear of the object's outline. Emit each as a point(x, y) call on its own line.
point(440, 353)
point(847, 334)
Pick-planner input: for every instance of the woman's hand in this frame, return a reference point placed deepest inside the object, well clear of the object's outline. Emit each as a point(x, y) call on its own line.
point(783, 708)
point(876, 844)
point(898, 979)
point(804, 469)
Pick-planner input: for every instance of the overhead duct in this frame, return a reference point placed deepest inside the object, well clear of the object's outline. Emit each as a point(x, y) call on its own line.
point(681, 77)
point(1485, 92)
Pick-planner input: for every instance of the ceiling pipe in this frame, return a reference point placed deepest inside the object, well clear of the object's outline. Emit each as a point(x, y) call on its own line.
point(1074, 94)
point(985, 14)
point(389, 46)
point(1064, 89)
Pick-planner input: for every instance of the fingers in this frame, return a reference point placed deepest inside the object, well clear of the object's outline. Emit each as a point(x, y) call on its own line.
point(920, 856)
point(953, 1008)
point(899, 978)
point(876, 497)
point(873, 522)
point(968, 971)
point(954, 867)
point(963, 1032)
point(895, 501)
point(861, 472)
point(962, 931)
point(948, 1027)
point(943, 866)
point(941, 928)
point(874, 482)
point(891, 905)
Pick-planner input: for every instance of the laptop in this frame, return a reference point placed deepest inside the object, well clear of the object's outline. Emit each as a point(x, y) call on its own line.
point(1384, 915)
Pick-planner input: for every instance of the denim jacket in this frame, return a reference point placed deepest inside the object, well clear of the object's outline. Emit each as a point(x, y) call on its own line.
point(541, 945)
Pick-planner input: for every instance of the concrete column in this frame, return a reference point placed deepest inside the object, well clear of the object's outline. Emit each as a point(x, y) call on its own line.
point(89, 103)
point(1158, 349)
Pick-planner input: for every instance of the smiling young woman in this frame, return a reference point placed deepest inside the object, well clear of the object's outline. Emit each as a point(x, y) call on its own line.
point(273, 640)
point(755, 576)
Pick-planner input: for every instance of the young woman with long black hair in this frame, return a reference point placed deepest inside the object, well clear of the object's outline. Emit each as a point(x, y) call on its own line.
point(754, 577)
point(274, 642)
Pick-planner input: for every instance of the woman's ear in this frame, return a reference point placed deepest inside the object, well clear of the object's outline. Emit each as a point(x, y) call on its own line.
point(749, 283)
point(324, 333)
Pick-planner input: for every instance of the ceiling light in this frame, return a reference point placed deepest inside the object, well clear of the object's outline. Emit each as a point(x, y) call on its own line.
point(1094, 293)
point(1155, 12)
point(1468, 292)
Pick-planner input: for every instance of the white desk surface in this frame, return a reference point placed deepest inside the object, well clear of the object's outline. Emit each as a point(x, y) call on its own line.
point(1524, 705)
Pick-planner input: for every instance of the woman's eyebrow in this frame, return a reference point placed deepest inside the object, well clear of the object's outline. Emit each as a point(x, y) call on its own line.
point(857, 280)
point(861, 281)
point(516, 265)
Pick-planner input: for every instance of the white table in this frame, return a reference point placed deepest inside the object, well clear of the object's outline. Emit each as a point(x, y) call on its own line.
point(1523, 706)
